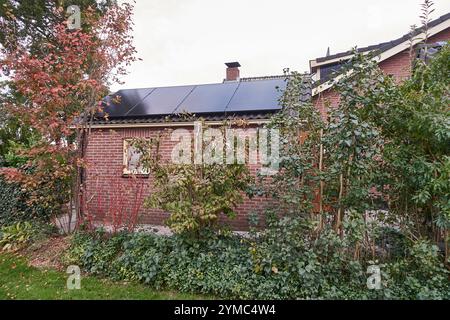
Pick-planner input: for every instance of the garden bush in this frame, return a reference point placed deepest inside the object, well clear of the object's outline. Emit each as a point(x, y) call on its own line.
point(18, 235)
point(14, 207)
point(15, 236)
point(278, 263)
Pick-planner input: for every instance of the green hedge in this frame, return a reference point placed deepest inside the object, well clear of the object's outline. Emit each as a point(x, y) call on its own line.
point(13, 206)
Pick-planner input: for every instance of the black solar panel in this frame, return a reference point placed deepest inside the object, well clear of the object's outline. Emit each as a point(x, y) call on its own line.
point(123, 101)
point(257, 95)
point(209, 98)
point(243, 96)
point(162, 101)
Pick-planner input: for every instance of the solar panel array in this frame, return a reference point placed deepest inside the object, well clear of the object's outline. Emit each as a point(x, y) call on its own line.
point(233, 97)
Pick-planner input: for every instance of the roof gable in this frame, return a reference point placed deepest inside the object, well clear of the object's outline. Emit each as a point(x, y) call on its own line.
point(381, 47)
point(383, 51)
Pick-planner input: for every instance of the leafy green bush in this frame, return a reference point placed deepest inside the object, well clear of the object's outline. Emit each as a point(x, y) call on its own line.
point(194, 194)
point(16, 236)
point(279, 263)
point(421, 274)
point(14, 207)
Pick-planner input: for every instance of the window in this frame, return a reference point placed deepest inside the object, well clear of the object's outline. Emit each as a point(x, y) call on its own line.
point(329, 71)
point(427, 51)
point(131, 159)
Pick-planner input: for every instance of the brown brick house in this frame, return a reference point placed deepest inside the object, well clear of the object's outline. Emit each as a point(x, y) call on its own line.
point(146, 112)
point(151, 112)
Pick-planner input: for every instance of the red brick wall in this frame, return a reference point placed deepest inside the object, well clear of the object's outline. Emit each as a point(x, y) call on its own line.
point(326, 99)
point(397, 65)
point(441, 36)
point(104, 173)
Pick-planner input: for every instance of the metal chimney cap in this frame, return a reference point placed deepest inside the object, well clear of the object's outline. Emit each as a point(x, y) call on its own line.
point(233, 64)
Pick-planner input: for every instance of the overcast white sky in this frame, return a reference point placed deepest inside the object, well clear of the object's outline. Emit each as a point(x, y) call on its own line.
point(188, 41)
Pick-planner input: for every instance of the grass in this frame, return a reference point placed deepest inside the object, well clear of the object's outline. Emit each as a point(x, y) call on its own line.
point(22, 282)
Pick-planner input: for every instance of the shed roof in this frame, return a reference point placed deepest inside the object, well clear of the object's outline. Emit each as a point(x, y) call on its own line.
point(249, 97)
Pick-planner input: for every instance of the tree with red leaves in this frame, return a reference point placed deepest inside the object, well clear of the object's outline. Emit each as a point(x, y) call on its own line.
point(61, 86)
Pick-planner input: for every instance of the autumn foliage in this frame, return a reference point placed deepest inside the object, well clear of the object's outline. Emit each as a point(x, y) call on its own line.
point(56, 90)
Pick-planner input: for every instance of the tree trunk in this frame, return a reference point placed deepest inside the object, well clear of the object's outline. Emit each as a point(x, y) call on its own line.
point(339, 213)
point(321, 187)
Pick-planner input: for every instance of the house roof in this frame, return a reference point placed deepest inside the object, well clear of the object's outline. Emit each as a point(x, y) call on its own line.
point(381, 47)
point(332, 63)
point(249, 98)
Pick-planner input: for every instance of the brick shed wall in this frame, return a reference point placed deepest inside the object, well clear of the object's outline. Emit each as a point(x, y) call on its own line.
point(106, 183)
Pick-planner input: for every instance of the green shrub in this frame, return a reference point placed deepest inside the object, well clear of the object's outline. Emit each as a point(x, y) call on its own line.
point(16, 236)
point(278, 263)
point(421, 274)
point(14, 207)
point(21, 234)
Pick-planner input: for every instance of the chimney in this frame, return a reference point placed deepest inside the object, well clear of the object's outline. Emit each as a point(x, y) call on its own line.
point(232, 71)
